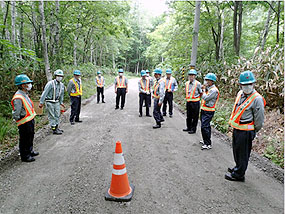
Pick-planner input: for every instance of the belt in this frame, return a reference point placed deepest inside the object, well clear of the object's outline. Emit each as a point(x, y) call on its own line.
point(246, 122)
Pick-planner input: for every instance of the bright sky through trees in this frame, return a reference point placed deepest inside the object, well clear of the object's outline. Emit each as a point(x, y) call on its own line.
point(155, 7)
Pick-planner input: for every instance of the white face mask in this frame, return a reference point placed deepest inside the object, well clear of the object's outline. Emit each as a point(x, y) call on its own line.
point(59, 78)
point(120, 74)
point(247, 89)
point(205, 83)
point(29, 86)
point(99, 75)
point(147, 74)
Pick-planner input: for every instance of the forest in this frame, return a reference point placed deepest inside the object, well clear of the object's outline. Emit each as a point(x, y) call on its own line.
point(38, 37)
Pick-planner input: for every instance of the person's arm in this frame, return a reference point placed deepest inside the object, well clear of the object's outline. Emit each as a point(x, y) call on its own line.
point(161, 92)
point(127, 85)
point(96, 81)
point(211, 95)
point(115, 83)
point(140, 87)
point(199, 89)
point(47, 88)
point(17, 109)
point(175, 85)
point(103, 81)
point(69, 87)
point(258, 113)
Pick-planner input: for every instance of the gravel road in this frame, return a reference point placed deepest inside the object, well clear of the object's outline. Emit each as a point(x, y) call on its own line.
point(170, 172)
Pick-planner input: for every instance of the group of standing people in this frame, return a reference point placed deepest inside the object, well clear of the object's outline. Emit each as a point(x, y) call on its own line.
point(247, 117)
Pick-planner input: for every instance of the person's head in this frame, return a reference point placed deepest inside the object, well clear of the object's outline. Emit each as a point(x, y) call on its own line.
point(77, 74)
point(143, 74)
point(58, 75)
point(99, 73)
point(247, 81)
point(121, 72)
point(147, 73)
point(192, 75)
point(168, 73)
point(23, 82)
point(210, 79)
point(157, 73)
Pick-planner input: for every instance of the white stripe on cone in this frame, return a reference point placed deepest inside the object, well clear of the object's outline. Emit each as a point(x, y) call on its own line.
point(119, 159)
point(119, 171)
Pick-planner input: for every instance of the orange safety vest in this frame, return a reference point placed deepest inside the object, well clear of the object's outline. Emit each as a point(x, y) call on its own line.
point(155, 87)
point(146, 88)
point(100, 83)
point(30, 112)
point(190, 97)
point(78, 90)
point(121, 84)
point(207, 108)
point(168, 86)
point(237, 112)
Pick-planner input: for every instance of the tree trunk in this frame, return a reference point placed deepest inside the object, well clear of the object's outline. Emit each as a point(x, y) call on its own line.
point(237, 24)
point(221, 51)
point(266, 28)
point(45, 49)
point(91, 51)
point(113, 59)
point(57, 33)
point(195, 33)
point(13, 22)
point(4, 28)
point(278, 22)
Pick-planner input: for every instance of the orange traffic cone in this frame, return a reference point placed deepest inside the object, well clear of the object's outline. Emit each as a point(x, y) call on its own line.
point(120, 189)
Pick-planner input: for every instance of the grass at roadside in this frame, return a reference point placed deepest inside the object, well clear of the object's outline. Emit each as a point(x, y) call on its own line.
point(269, 140)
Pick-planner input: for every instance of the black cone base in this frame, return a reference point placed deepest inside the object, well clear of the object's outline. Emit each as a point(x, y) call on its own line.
point(127, 198)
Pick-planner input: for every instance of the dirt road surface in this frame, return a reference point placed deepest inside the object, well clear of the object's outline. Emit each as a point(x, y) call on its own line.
point(170, 172)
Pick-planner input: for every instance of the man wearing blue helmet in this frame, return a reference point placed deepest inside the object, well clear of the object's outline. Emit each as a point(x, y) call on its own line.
point(170, 86)
point(121, 89)
point(158, 96)
point(247, 119)
point(144, 92)
point(74, 89)
point(100, 82)
point(210, 98)
point(24, 114)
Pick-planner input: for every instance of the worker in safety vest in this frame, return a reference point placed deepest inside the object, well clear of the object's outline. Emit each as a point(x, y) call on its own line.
point(24, 114)
point(247, 119)
point(151, 85)
point(121, 89)
point(210, 98)
point(100, 82)
point(144, 92)
point(193, 90)
point(170, 86)
point(53, 95)
point(158, 96)
point(74, 89)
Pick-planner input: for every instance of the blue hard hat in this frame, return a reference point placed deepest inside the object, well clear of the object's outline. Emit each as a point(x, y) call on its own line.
point(168, 71)
point(147, 71)
point(246, 77)
point(98, 72)
point(211, 76)
point(158, 71)
point(76, 72)
point(192, 72)
point(143, 73)
point(22, 79)
point(121, 71)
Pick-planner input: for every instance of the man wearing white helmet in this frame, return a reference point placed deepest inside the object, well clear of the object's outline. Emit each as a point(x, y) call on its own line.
point(53, 97)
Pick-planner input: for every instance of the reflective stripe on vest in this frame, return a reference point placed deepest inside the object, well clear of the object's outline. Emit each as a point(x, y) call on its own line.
point(207, 108)
point(237, 112)
point(155, 87)
point(78, 90)
point(30, 112)
point(190, 97)
point(146, 88)
point(54, 90)
point(121, 84)
point(100, 84)
point(168, 86)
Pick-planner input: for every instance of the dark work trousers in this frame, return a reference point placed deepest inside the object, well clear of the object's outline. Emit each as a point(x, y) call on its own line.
point(168, 99)
point(242, 143)
point(100, 91)
point(144, 98)
point(157, 112)
point(26, 131)
point(193, 109)
point(149, 100)
point(75, 108)
point(121, 93)
point(206, 117)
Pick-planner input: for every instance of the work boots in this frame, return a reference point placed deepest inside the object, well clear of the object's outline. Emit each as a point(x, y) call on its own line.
point(56, 131)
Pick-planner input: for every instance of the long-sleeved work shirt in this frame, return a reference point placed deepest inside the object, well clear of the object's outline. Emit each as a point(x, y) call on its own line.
point(71, 86)
point(173, 86)
point(19, 111)
point(53, 92)
point(160, 90)
point(198, 90)
point(145, 86)
point(211, 97)
point(100, 79)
